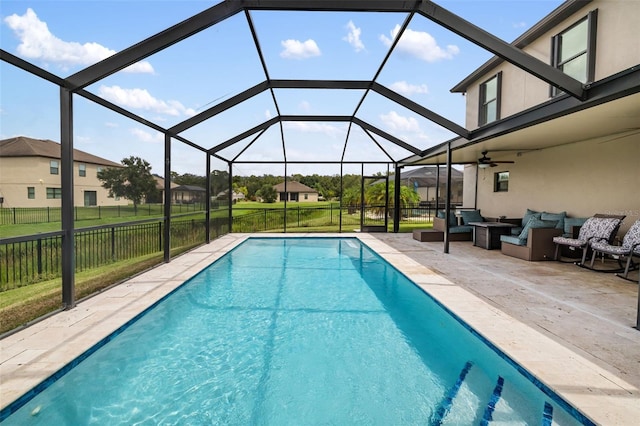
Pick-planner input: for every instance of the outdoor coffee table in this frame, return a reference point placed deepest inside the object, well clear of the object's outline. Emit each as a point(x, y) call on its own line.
point(487, 234)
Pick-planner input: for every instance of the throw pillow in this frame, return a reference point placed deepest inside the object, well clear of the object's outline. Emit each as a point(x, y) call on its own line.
point(471, 216)
point(528, 215)
point(536, 223)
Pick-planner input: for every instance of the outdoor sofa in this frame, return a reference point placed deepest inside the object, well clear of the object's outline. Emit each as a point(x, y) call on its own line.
point(535, 241)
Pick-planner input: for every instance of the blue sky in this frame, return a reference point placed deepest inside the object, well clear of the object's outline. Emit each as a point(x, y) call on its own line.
point(166, 88)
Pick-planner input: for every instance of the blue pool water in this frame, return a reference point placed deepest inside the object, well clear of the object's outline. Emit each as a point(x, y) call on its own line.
point(295, 331)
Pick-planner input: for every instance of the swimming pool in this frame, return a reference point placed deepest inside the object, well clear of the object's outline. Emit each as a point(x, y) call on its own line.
point(291, 331)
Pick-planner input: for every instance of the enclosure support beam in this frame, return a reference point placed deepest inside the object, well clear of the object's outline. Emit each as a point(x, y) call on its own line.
point(447, 207)
point(66, 181)
point(230, 197)
point(396, 200)
point(207, 202)
point(166, 240)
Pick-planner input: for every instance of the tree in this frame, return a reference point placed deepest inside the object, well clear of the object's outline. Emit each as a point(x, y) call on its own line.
point(133, 181)
point(267, 193)
point(375, 196)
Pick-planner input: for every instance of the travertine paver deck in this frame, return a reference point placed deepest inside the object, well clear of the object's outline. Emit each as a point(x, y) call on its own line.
point(568, 326)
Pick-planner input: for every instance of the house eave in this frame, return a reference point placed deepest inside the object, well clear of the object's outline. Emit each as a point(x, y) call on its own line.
point(561, 13)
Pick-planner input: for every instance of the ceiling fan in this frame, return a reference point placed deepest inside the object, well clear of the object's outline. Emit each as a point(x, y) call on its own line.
point(485, 162)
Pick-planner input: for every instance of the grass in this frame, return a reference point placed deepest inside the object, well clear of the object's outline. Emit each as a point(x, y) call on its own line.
point(21, 305)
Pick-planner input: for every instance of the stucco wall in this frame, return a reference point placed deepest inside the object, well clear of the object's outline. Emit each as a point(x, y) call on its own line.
point(617, 49)
point(18, 173)
point(600, 176)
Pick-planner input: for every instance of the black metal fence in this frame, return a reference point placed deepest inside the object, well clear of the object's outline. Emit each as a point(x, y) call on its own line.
point(29, 259)
point(34, 215)
point(303, 216)
point(34, 258)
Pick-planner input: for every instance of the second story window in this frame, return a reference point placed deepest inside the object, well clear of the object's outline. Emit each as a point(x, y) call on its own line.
point(573, 50)
point(54, 167)
point(489, 110)
point(82, 170)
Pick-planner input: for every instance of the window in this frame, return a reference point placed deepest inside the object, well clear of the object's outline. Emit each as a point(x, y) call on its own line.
point(489, 110)
point(54, 167)
point(306, 196)
point(98, 170)
point(82, 170)
point(573, 50)
point(54, 193)
point(31, 192)
point(501, 182)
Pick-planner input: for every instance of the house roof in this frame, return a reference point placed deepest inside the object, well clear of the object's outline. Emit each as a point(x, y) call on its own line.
point(189, 188)
point(160, 183)
point(294, 186)
point(22, 146)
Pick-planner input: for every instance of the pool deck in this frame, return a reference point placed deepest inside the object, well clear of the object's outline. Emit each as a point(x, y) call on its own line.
point(570, 327)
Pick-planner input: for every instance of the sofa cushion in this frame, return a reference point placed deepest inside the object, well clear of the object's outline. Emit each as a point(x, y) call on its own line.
point(453, 220)
point(513, 240)
point(536, 223)
point(559, 217)
point(460, 229)
point(570, 222)
point(469, 216)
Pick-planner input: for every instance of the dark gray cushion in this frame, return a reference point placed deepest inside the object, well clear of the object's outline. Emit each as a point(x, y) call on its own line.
point(570, 222)
point(469, 216)
point(460, 229)
point(513, 240)
point(559, 217)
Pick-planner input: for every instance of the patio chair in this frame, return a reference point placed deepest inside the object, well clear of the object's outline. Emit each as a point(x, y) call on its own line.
point(599, 227)
point(630, 247)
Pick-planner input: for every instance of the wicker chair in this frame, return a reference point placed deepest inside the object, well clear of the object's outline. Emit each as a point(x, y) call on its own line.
point(597, 228)
point(630, 247)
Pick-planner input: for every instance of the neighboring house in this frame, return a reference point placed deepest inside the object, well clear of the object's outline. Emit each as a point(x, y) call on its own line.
point(188, 194)
point(235, 196)
point(160, 188)
point(425, 179)
point(30, 175)
point(582, 158)
point(296, 192)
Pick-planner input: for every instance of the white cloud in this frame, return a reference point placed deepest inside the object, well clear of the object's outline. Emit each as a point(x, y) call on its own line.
point(314, 127)
point(268, 115)
point(111, 124)
point(295, 49)
point(37, 42)
point(304, 106)
point(398, 123)
point(142, 99)
point(148, 137)
point(353, 37)
point(421, 45)
point(520, 24)
point(405, 88)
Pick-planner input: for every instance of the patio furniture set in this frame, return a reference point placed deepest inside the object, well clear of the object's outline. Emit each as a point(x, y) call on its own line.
point(544, 236)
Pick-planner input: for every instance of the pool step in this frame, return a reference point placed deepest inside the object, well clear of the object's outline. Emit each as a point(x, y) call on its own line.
point(460, 403)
